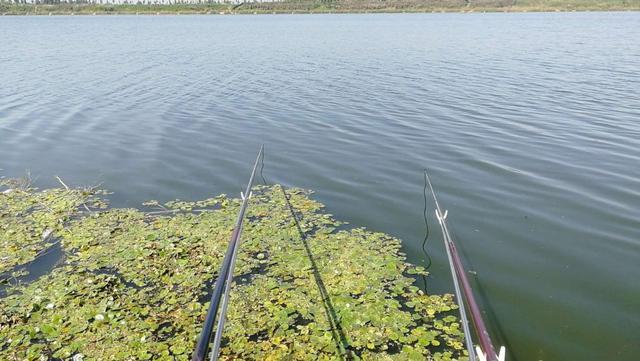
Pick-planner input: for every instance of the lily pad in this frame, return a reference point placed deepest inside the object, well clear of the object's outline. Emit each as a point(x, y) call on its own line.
point(136, 285)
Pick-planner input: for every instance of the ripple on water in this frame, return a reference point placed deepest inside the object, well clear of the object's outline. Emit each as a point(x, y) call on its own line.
point(527, 123)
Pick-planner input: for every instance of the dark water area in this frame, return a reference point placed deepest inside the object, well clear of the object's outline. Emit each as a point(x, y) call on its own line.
point(44, 263)
point(527, 122)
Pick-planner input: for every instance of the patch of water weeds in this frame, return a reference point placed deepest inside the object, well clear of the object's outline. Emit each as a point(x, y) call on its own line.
point(29, 218)
point(44, 262)
point(132, 285)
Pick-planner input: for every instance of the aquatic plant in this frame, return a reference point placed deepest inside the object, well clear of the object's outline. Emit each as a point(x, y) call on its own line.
point(135, 285)
point(29, 219)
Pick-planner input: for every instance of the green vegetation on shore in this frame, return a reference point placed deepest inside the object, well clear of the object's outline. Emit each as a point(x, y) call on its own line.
point(134, 284)
point(320, 6)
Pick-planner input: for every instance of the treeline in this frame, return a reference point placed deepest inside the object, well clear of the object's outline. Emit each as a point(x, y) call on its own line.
point(441, 5)
point(63, 8)
point(318, 6)
point(114, 2)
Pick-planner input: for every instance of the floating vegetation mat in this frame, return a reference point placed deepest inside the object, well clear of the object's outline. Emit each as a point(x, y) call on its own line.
point(135, 285)
point(28, 219)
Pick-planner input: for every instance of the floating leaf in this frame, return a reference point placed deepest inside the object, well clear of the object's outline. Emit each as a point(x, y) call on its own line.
point(136, 285)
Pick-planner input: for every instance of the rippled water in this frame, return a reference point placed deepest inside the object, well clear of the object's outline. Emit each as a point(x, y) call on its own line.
point(528, 123)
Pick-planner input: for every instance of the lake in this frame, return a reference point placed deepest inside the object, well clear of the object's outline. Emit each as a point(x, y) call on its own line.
point(528, 124)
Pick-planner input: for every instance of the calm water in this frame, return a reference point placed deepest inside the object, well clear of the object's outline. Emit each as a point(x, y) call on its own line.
point(528, 123)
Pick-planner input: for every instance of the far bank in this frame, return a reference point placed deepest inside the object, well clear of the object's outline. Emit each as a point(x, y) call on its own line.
point(311, 6)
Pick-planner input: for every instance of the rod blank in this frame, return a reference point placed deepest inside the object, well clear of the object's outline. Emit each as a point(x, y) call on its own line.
point(486, 352)
point(225, 275)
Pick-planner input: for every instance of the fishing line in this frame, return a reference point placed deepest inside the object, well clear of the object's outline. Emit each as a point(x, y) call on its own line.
point(264, 181)
point(426, 236)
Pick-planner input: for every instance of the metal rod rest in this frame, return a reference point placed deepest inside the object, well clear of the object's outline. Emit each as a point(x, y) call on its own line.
point(486, 351)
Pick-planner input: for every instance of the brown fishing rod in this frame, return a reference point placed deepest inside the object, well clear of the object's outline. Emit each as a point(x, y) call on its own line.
point(486, 351)
point(225, 276)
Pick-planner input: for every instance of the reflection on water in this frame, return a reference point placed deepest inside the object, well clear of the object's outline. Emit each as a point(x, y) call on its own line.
point(528, 123)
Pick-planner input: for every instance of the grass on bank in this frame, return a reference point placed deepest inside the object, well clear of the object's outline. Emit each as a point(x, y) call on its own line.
point(336, 6)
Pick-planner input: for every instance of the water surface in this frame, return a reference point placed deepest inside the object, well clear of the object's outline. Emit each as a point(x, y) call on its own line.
point(528, 123)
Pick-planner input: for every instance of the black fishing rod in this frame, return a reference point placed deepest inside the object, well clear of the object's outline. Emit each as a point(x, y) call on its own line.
point(223, 282)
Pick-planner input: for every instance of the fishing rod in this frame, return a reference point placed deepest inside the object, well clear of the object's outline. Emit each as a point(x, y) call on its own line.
point(486, 351)
point(223, 282)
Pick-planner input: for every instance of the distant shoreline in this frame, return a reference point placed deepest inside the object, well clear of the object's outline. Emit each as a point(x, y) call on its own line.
point(325, 7)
